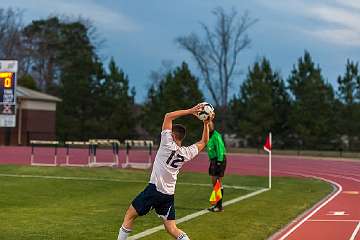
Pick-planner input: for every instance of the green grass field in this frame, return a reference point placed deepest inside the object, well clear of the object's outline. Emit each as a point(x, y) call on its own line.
point(91, 207)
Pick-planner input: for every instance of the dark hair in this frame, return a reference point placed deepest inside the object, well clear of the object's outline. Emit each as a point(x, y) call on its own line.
point(179, 131)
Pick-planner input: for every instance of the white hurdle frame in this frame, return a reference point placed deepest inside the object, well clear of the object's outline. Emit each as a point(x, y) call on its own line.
point(115, 145)
point(43, 143)
point(77, 143)
point(137, 143)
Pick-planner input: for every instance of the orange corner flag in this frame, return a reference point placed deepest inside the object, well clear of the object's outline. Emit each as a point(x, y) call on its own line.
point(216, 193)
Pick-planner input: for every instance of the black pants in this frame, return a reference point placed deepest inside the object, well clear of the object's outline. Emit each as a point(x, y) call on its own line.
point(217, 169)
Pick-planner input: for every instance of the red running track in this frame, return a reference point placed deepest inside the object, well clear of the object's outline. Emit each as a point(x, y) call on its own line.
point(335, 218)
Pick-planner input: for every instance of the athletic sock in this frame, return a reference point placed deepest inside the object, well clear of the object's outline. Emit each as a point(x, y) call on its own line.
point(123, 233)
point(183, 236)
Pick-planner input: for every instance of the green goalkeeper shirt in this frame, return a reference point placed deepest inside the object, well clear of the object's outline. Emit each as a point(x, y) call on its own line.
point(216, 147)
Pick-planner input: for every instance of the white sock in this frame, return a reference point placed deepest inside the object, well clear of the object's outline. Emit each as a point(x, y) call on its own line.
point(123, 233)
point(183, 236)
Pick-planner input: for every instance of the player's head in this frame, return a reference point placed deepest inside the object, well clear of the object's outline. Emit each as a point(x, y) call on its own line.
point(179, 132)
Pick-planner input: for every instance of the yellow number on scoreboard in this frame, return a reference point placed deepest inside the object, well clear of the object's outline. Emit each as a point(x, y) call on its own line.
point(7, 83)
point(7, 76)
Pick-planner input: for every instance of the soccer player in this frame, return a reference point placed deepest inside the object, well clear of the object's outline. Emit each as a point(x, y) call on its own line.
point(170, 157)
point(217, 156)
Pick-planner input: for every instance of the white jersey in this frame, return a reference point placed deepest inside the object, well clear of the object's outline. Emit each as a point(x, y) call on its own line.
point(168, 161)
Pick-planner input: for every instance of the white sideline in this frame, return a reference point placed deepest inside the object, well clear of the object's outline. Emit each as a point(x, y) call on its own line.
point(119, 180)
point(224, 185)
point(69, 178)
point(195, 215)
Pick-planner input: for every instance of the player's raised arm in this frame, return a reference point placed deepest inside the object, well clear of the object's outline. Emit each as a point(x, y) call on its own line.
point(205, 135)
point(169, 117)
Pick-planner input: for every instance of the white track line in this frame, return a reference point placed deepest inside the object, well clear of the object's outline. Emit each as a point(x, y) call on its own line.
point(341, 176)
point(195, 215)
point(325, 174)
point(316, 209)
point(120, 180)
point(332, 220)
point(353, 236)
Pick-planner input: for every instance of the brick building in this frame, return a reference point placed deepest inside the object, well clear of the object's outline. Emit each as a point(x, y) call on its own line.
point(35, 118)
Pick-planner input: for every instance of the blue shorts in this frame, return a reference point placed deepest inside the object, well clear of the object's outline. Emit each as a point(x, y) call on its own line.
point(150, 198)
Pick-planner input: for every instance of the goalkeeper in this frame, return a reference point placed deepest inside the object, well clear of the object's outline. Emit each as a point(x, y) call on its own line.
point(217, 156)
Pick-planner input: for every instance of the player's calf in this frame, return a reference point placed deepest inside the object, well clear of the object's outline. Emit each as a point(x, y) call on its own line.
point(130, 216)
point(128, 222)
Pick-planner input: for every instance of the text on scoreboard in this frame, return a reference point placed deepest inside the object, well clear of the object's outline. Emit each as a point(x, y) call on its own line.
point(8, 74)
point(7, 87)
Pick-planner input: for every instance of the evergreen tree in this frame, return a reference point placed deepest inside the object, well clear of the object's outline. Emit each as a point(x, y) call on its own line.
point(262, 106)
point(27, 81)
point(115, 118)
point(349, 107)
point(177, 90)
point(312, 112)
point(62, 59)
point(347, 84)
point(80, 71)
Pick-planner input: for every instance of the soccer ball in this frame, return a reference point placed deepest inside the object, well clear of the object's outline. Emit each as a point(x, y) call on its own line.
point(205, 113)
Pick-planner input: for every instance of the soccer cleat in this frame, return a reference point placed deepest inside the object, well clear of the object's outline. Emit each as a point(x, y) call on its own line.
point(216, 209)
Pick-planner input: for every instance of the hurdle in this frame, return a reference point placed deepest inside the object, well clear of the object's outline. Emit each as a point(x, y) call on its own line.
point(68, 145)
point(138, 144)
point(43, 143)
point(94, 147)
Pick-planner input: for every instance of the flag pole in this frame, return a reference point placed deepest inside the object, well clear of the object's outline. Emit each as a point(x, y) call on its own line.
point(270, 162)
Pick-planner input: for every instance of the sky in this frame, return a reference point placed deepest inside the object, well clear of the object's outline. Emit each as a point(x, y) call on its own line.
point(140, 34)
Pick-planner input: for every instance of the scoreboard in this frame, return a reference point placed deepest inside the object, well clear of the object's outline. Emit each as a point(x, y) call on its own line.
point(8, 72)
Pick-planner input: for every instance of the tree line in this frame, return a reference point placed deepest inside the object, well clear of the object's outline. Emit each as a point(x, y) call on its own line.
point(303, 111)
point(60, 56)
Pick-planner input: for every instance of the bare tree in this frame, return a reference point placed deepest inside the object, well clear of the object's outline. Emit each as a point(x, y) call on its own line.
point(217, 53)
point(11, 25)
point(167, 66)
point(10, 31)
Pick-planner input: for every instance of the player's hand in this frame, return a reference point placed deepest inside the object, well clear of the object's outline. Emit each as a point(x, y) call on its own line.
point(210, 118)
point(196, 109)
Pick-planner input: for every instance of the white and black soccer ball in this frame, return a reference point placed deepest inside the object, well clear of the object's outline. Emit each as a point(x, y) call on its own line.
point(207, 110)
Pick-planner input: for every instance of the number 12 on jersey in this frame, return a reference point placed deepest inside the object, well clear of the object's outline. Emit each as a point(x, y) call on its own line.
point(172, 161)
